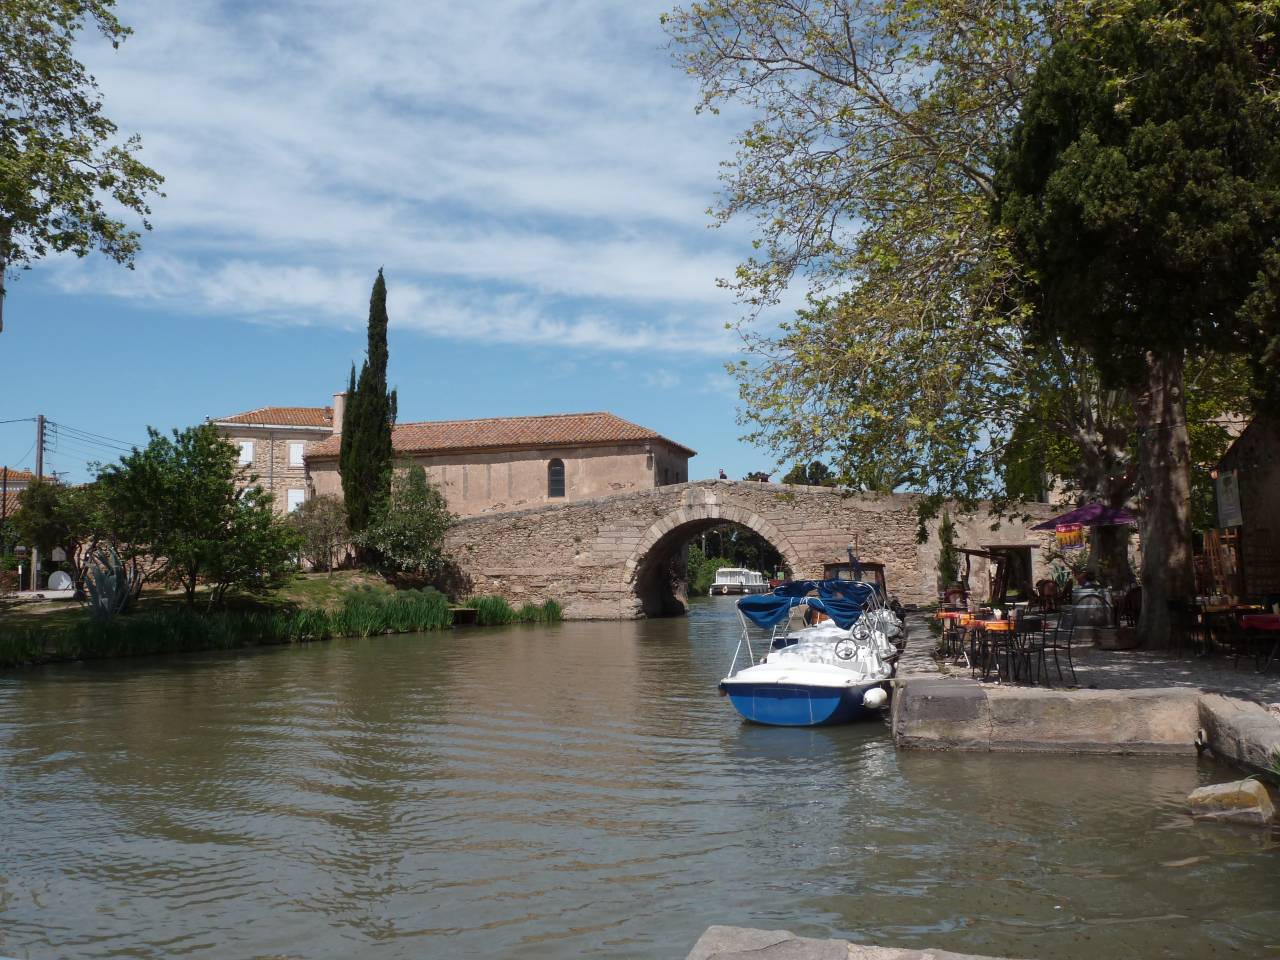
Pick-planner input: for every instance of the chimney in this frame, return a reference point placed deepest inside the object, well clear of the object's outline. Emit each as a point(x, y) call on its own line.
point(339, 407)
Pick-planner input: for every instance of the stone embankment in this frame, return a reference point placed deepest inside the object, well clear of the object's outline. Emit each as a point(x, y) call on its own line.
point(950, 713)
point(744, 943)
point(933, 710)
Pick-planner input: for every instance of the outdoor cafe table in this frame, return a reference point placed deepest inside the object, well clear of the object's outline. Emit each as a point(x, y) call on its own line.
point(952, 627)
point(982, 629)
point(1265, 622)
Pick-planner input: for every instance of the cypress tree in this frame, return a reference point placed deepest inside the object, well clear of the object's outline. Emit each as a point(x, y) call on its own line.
point(364, 459)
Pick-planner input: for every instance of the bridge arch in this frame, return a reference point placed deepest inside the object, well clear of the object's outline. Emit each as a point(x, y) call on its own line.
point(655, 567)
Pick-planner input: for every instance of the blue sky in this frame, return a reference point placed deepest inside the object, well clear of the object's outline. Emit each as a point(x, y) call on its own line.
point(531, 176)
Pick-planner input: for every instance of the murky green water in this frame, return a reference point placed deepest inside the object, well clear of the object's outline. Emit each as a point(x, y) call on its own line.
point(566, 792)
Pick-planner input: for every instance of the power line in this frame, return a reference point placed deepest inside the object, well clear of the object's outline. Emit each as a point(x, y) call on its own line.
point(23, 458)
point(19, 420)
point(89, 435)
point(75, 443)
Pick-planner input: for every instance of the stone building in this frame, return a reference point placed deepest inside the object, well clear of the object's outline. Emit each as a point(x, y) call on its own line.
point(481, 466)
point(273, 442)
point(1248, 482)
point(513, 463)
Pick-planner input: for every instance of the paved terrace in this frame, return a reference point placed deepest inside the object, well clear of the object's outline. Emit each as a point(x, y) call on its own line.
point(1118, 669)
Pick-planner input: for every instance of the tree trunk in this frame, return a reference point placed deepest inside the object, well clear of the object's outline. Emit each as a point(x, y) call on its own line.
point(1168, 579)
point(1109, 556)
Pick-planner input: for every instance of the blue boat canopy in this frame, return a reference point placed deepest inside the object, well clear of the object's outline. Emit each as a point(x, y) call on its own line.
point(841, 600)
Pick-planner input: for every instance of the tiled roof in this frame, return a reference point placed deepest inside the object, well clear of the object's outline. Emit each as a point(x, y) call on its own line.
point(20, 476)
point(10, 505)
point(556, 430)
point(284, 417)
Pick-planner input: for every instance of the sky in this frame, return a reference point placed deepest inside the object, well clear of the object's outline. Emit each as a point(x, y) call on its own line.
point(531, 176)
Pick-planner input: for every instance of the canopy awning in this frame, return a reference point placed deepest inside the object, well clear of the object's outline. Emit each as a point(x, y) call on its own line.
point(841, 600)
point(1090, 515)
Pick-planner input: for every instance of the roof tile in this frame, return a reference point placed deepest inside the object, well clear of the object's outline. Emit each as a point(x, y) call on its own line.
point(555, 430)
point(283, 417)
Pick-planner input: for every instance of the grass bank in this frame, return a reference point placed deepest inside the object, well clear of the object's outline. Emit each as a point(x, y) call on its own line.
point(309, 609)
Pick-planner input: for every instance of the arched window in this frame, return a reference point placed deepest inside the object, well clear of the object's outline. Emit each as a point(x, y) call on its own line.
point(555, 478)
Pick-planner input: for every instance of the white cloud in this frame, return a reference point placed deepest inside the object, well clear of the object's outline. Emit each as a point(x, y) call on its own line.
point(531, 171)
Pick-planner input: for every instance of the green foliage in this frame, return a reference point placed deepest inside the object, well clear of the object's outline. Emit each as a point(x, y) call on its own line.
point(702, 570)
point(364, 613)
point(1142, 184)
point(814, 474)
point(64, 174)
point(321, 524)
point(491, 611)
point(948, 554)
point(408, 532)
point(51, 514)
point(107, 585)
point(364, 458)
point(177, 501)
point(495, 611)
point(869, 168)
point(367, 612)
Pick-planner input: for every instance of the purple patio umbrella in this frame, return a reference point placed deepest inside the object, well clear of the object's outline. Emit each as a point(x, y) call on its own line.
point(1090, 515)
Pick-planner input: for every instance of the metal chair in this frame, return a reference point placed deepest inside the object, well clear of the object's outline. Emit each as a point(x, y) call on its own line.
point(1058, 640)
point(1029, 641)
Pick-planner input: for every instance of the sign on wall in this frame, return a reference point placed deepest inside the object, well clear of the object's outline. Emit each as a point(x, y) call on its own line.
point(1228, 489)
point(1070, 536)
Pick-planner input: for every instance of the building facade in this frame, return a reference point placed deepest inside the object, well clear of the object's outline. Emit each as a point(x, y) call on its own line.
point(481, 466)
point(1248, 492)
point(273, 444)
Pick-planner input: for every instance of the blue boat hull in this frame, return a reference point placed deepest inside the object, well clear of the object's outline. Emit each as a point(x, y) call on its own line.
point(788, 705)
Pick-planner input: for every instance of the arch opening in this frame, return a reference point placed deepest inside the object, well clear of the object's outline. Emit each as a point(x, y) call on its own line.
point(662, 576)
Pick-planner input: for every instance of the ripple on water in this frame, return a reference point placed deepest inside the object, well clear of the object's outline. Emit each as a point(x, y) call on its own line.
point(556, 792)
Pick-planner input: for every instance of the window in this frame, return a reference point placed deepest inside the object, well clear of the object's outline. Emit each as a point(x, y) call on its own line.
point(555, 478)
point(246, 452)
point(295, 454)
point(296, 497)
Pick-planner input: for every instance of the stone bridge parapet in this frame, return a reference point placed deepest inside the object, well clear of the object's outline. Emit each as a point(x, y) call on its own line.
point(614, 557)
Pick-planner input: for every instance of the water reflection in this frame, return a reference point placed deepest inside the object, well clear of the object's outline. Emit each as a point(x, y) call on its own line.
point(556, 792)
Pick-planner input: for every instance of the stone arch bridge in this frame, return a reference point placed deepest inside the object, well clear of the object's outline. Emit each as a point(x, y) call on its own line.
point(621, 556)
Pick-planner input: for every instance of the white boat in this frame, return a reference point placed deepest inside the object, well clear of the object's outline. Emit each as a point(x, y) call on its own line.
point(816, 674)
point(735, 580)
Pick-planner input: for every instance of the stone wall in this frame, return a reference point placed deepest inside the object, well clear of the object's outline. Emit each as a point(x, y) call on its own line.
point(504, 480)
point(271, 461)
point(605, 558)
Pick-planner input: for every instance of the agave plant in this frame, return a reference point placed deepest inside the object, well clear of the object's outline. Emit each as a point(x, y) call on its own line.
point(106, 584)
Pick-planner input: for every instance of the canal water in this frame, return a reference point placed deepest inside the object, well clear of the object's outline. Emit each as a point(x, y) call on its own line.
point(566, 791)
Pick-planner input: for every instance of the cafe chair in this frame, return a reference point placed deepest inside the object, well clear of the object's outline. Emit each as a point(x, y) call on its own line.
point(1058, 642)
point(1029, 640)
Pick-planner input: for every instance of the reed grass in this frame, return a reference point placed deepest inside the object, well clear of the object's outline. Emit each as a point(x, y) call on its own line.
point(495, 611)
point(364, 613)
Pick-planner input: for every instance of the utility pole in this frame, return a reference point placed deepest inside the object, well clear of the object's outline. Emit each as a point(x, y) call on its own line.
point(35, 551)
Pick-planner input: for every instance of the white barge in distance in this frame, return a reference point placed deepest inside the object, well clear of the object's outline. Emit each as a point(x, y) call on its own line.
point(738, 580)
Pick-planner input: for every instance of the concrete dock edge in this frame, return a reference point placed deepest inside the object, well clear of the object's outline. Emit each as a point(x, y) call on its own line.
point(745, 943)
